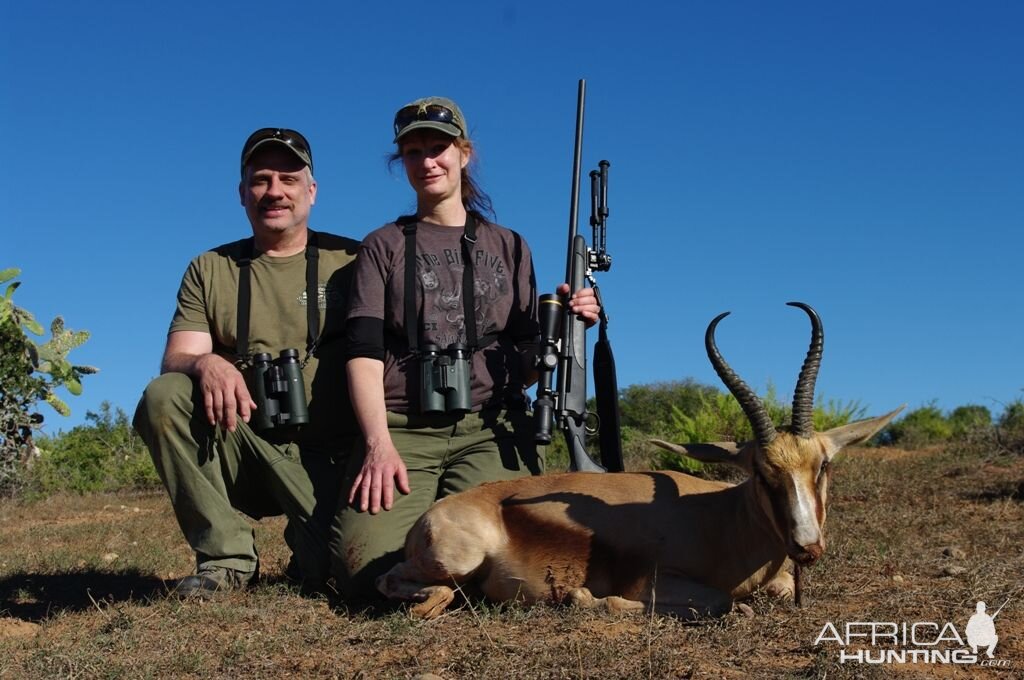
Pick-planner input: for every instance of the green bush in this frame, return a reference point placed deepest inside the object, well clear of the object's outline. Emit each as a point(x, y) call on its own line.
point(969, 421)
point(1013, 416)
point(105, 455)
point(719, 417)
point(19, 388)
point(688, 411)
point(30, 373)
point(556, 454)
point(634, 453)
point(649, 408)
point(921, 427)
point(645, 411)
point(1010, 428)
point(832, 413)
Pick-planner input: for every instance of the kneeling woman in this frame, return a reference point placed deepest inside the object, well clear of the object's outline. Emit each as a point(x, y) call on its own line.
point(442, 332)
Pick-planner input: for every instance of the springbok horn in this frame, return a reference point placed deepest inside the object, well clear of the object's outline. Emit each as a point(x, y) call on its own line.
point(751, 404)
point(803, 395)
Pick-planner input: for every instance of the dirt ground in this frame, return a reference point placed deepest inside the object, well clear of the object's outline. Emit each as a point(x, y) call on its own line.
point(915, 538)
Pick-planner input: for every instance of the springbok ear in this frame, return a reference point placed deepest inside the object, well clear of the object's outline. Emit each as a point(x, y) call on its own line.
point(855, 433)
point(733, 453)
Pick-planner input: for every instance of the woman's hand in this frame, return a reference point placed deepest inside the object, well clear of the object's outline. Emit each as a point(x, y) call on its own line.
point(374, 486)
point(383, 470)
point(583, 302)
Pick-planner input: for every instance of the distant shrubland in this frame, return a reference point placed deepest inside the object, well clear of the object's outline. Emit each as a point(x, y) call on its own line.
point(686, 411)
point(105, 454)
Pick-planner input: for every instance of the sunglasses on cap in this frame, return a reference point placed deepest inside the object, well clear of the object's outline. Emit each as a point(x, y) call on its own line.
point(293, 139)
point(435, 113)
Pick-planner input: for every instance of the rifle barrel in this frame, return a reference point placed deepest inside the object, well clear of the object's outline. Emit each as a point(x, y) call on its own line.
point(574, 199)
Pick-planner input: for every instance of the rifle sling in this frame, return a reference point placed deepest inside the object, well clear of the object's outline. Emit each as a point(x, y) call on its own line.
point(606, 394)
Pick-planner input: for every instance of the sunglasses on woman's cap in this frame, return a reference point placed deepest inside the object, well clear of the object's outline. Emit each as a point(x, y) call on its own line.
point(291, 139)
point(435, 113)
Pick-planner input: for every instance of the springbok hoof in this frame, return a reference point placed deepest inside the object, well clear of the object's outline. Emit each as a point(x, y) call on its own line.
point(781, 587)
point(432, 607)
point(581, 597)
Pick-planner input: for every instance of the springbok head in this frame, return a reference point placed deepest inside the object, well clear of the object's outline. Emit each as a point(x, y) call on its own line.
point(789, 467)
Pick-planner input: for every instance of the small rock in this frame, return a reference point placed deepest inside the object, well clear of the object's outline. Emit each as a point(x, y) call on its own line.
point(897, 578)
point(954, 552)
point(953, 571)
point(745, 610)
point(110, 557)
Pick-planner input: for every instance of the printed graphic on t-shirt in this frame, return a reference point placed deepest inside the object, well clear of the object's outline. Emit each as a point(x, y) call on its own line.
point(444, 313)
point(328, 295)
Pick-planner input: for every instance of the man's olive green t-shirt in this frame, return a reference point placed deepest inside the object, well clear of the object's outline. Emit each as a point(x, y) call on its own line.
point(208, 302)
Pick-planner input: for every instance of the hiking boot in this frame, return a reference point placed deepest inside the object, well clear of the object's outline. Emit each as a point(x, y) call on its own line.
point(210, 579)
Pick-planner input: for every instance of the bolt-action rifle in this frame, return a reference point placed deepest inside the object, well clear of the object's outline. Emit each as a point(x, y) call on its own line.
point(563, 343)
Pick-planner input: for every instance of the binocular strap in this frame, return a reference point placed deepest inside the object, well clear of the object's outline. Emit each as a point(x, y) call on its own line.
point(411, 317)
point(245, 298)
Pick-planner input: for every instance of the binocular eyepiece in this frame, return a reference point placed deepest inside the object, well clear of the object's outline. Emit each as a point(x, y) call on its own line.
point(280, 393)
point(444, 378)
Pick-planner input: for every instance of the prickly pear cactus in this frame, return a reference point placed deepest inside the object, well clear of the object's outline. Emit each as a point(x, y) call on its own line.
point(53, 361)
point(30, 373)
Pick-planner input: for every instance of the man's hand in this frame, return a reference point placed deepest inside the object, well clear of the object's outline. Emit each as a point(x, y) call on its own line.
point(222, 385)
point(583, 302)
point(224, 391)
point(383, 470)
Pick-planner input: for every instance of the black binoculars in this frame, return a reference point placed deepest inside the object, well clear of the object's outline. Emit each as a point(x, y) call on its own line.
point(280, 392)
point(444, 379)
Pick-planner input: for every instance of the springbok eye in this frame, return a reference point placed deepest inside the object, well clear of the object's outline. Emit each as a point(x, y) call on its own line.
point(823, 470)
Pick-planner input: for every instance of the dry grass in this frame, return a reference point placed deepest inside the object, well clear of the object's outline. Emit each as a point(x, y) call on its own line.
point(915, 536)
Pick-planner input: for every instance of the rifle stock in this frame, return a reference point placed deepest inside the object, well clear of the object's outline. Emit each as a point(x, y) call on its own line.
point(572, 376)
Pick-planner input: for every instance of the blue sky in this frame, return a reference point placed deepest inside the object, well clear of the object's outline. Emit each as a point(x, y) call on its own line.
point(866, 158)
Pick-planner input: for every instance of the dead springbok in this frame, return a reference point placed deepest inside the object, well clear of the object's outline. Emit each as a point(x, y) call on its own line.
point(635, 541)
